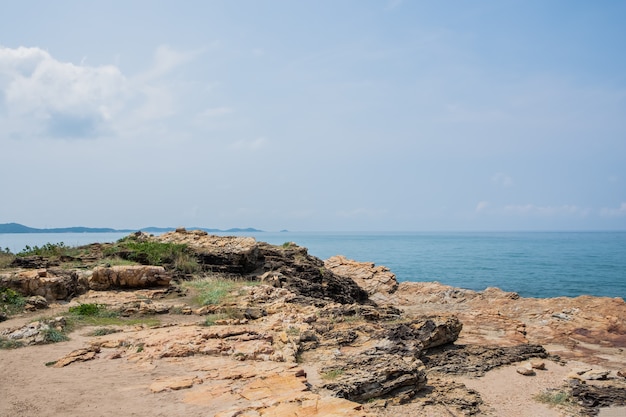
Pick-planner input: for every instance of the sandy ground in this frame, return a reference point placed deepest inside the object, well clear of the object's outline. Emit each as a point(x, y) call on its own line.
point(110, 387)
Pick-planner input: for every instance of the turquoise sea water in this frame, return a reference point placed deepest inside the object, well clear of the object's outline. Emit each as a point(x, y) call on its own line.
point(533, 264)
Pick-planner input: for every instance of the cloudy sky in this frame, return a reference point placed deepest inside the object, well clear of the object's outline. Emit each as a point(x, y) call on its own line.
point(314, 115)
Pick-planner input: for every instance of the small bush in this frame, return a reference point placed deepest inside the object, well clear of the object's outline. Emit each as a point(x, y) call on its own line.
point(54, 336)
point(88, 309)
point(11, 302)
point(10, 343)
point(50, 250)
point(554, 398)
point(103, 331)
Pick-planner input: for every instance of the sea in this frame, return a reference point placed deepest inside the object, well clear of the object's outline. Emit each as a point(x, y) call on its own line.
point(532, 264)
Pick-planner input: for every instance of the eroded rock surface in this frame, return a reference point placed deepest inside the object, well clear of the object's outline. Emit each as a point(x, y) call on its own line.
point(128, 276)
point(325, 338)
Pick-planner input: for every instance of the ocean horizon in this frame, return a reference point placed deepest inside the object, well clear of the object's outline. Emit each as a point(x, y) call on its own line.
point(532, 264)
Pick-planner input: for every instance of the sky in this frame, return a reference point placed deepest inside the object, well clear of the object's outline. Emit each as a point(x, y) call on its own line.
point(326, 115)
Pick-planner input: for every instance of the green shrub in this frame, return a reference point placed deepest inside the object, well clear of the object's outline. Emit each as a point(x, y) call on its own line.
point(54, 336)
point(179, 256)
point(50, 250)
point(554, 398)
point(88, 309)
point(10, 343)
point(11, 302)
point(103, 331)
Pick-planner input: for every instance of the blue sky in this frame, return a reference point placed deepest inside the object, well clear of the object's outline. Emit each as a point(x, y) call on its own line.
point(314, 116)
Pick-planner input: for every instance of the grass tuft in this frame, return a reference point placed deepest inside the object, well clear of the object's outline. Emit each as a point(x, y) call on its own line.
point(554, 398)
point(333, 374)
point(215, 291)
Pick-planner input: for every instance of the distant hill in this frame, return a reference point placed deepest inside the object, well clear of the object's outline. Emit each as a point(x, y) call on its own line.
point(20, 228)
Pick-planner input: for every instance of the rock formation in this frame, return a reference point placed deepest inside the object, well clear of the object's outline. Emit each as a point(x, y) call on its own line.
point(317, 338)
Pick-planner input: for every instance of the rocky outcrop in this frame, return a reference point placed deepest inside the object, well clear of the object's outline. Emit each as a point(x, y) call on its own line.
point(592, 397)
point(131, 276)
point(476, 360)
point(52, 284)
point(291, 267)
point(228, 254)
point(35, 333)
point(377, 281)
point(288, 266)
point(370, 374)
point(574, 328)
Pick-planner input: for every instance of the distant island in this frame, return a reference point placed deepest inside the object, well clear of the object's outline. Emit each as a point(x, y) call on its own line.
point(20, 228)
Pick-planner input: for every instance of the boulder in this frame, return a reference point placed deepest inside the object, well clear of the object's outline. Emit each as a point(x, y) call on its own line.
point(377, 281)
point(369, 375)
point(52, 284)
point(133, 276)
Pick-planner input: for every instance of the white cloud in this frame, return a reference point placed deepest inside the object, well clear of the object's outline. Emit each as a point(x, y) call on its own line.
point(502, 179)
point(546, 211)
point(614, 212)
point(250, 145)
point(43, 96)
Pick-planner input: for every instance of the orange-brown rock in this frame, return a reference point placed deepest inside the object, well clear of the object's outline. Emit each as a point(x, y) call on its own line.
point(128, 276)
point(378, 281)
point(174, 383)
point(586, 327)
point(52, 284)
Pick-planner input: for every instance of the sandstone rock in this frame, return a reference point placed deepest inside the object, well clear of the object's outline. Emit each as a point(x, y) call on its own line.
point(537, 364)
point(79, 355)
point(370, 375)
point(57, 284)
point(476, 360)
point(239, 255)
point(621, 373)
point(292, 268)
point(174, 383)
point(378, 281)
point(525, 370)
point(595, 374)
point(131, 276)
point(36, 302)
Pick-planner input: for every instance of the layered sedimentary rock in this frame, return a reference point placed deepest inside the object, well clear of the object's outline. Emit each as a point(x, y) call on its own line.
point(377, 281)
point(52, 284)
point(231, 254)
point(129, 276)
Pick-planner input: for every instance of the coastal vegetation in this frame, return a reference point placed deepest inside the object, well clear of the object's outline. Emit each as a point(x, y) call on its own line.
point(175, 256)
point(6, 257)
point(11, 302)
point(216, 289)
point(50, 250)
point(91, 314)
